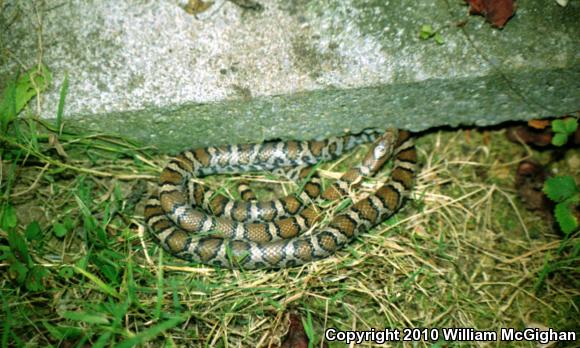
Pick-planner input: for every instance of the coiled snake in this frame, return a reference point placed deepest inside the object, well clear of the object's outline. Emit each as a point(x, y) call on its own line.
point(269, 234)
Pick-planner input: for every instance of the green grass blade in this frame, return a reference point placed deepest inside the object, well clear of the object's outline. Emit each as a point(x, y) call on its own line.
point(8, 105)
point(60, 111)
point(150, 333)
point(99, 283)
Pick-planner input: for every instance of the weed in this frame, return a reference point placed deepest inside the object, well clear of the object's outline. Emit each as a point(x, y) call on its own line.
point(562, 129)
point(427, 32)
point(566, 194)
point(19, 91)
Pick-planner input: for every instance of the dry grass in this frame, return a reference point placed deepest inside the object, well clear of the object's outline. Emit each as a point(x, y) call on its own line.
point(462, 253)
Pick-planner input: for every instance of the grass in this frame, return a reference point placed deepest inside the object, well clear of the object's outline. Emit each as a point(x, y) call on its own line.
point(79, 268)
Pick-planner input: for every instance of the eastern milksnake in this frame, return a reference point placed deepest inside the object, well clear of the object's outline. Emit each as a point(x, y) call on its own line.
point(268, 234)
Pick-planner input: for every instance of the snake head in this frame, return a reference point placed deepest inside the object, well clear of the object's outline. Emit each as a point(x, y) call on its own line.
point(380, 152)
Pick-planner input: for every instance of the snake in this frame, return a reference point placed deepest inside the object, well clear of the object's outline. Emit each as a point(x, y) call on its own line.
point(190, 223)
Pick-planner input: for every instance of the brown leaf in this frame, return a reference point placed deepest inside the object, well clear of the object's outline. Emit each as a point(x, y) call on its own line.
point(296, 337)
point(497, 12)
point(53, 141)
point(529, 135)
point(530, 177)
point(539, 124)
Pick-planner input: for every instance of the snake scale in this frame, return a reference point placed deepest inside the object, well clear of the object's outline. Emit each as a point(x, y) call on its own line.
point(253, 234)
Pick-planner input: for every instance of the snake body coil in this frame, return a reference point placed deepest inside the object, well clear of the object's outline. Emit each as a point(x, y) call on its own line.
point(239, 237)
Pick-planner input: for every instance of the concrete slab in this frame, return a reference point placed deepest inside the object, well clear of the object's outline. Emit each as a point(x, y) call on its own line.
point(298, 69)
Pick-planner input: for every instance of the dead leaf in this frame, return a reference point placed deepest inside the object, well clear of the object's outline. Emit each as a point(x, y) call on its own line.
point(296, 337)
point(497, 12)
point(530, 178)
point(539, 124)
point(53, 141)
point(529, 135)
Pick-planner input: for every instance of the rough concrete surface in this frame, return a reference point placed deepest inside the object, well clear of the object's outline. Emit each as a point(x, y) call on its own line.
point(298, 69)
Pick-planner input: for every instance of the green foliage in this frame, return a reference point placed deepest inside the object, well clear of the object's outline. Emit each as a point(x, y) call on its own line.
point(60, 110)
point(427, 32)
point(309, 329)
point(562, 130)
point(561, 265)
point(19, 91)
point(42, 258)
point(59, 230)
point(566, 220)
point(66, 272)
point(35, 277)
point(151, 332)
point(21, 268)
point(33, 231)
point(560, 188)
point(101, 286)
point(8, 217)
point(563, 191)
point(19, 247)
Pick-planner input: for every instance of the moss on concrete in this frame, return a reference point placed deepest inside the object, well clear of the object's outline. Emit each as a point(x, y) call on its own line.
point(414, 106)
